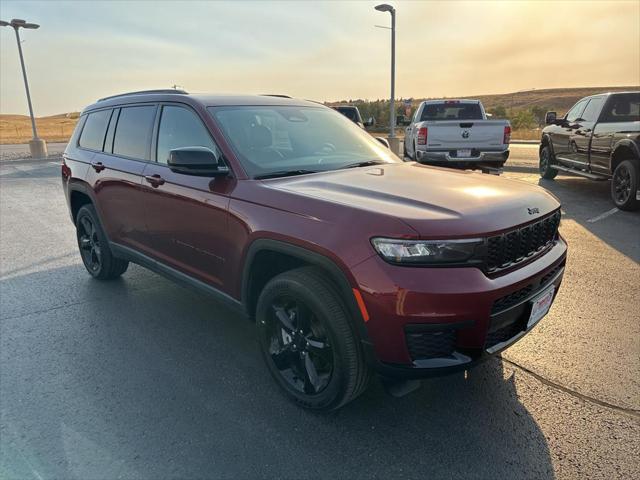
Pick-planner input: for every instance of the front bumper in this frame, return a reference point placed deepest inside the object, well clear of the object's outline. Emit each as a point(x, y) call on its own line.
point(463, 315)
point(450, 157)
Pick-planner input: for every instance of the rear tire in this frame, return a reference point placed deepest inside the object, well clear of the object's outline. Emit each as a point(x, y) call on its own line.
point(624, 185)
point(94, 247)
point(308, 340)
point(546, 157)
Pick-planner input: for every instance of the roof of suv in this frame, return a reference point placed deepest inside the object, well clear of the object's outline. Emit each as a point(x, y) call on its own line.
point(207, 100)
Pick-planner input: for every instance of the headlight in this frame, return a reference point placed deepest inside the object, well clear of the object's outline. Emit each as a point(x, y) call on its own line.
point(426, 251)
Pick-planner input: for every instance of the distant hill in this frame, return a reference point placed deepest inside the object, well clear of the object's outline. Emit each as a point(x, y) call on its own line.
point(560, 99)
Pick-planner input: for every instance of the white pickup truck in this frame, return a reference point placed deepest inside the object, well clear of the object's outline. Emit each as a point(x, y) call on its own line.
point(457, 133)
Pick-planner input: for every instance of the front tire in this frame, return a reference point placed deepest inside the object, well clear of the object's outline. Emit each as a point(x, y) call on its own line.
point(308, 342)
point(94, 247)
point(546, 157)
point(624, 185)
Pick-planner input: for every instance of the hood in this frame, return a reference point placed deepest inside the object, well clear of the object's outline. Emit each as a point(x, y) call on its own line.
point(435, 202)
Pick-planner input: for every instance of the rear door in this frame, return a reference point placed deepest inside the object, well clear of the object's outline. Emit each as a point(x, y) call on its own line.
point(186, 214)
point(120, 138)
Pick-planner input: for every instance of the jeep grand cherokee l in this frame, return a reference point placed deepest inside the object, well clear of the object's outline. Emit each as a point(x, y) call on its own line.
point(349, 259)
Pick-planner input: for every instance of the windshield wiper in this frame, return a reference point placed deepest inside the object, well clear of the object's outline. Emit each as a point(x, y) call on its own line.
point(284, 173)
point(367, 163)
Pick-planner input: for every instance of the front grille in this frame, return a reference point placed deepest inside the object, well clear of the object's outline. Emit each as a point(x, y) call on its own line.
point(517, 245)
point(424, 345)
point(516, 297)
point(504, 333)
point(511, 299)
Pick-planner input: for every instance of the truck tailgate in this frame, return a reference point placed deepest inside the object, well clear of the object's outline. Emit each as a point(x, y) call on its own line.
point(472, 134)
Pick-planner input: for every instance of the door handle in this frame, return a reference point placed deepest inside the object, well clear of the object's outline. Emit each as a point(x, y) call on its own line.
point(155, 180)
point(98, 166)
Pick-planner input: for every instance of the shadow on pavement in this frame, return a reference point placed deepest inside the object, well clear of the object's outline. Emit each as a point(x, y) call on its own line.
point(584, 200)
point(140, 378)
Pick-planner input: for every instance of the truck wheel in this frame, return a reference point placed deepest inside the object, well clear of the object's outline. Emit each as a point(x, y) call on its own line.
point(308, 341)
point(94, 247)
point(546, 171)
point(624, 185)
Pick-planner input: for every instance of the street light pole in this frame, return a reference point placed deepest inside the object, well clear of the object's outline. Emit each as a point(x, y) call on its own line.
point(26, 85)
point(37, 146)
point(392, 104)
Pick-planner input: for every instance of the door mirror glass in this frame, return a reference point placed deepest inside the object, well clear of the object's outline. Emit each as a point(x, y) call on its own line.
point(370, 122)
point(550, 117)
point(195, 161)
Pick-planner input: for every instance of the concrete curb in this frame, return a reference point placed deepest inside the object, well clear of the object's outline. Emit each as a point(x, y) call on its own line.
point(525, 142)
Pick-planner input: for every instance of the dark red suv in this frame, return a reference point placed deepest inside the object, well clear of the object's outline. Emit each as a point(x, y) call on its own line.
point(349, 259)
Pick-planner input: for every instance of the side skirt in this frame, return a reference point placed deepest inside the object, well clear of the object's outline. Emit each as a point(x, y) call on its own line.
point(183, 279)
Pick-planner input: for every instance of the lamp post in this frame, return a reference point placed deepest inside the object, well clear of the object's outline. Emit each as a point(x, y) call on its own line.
point(392, 106)
point(37, 146)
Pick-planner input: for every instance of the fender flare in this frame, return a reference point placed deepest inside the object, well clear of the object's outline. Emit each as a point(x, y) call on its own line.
point(627, 143)
point(334, 272)
point(76, 185)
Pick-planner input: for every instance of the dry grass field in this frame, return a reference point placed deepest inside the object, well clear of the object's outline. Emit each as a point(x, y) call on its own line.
point(58, 128)
point(17, 128)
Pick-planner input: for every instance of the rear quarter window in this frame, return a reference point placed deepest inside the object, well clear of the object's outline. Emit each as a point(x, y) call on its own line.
point(451, 111)
point(95, 127)
point(622, 108)
point(133, 131)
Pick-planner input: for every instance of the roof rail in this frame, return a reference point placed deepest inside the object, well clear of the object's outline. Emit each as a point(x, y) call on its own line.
point(274, 95)
point(146, 92)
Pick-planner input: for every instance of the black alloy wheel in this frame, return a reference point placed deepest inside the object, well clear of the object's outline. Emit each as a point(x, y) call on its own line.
point(546, 171)
point(624, 185)
point(89, 244)
point(308, 340)
point(94, 246)
point(299, 346)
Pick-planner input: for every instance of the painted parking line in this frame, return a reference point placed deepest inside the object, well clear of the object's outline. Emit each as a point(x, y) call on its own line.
point(603, 215)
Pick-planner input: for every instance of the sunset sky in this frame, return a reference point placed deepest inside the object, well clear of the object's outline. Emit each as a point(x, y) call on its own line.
point(317, 50)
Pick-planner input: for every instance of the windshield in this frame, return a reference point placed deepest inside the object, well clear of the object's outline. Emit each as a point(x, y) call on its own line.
point(451, 111)
point(274, 140)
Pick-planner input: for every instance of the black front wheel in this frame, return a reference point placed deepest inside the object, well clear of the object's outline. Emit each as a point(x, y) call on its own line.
point(546, 171)
point(94, 247)
point(308, 341)
point(624, 185)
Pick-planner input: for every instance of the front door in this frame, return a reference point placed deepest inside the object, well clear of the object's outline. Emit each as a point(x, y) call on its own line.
point(563, 135)
point(580, 139)
point(187, 215)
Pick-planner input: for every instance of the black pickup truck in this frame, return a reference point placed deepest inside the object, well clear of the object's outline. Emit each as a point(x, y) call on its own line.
point(598, 138)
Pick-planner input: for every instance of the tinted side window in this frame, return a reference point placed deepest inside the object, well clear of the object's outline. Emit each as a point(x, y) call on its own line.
point(94, 129)
point(133, 131)
point(622, 108)
point(592, 111)
point(576, 111)
point(180, 127)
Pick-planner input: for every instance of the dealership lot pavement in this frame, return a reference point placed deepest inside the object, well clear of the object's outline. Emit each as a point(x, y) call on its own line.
point(141, 378)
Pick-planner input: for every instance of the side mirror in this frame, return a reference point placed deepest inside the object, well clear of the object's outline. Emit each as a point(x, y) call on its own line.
point(550, 117)
point(198, 161)
point(403, 121)
point(384, 142)
point(489, 115)
point(370, 122)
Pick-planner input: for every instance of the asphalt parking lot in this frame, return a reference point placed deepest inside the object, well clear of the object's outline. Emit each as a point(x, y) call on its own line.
point(141, 378)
